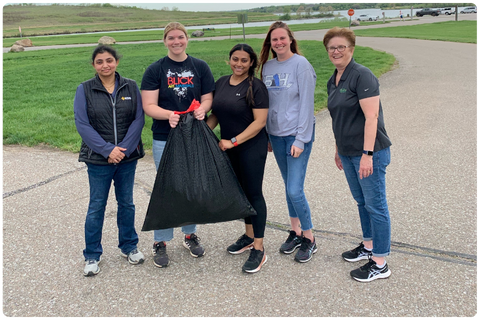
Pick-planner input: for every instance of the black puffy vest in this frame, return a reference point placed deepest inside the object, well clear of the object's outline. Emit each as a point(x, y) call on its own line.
point(110, 116)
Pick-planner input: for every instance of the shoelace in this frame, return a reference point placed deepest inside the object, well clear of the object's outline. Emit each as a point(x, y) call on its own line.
point(304, 246)
point(242, 238)
point(194, 239)
point(369, 265)
point(253, 254)
point(159, 247)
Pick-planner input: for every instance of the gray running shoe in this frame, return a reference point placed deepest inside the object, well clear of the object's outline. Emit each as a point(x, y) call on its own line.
point(293, 242)
point(306, 251)
point(134, 256)
point(91, 267)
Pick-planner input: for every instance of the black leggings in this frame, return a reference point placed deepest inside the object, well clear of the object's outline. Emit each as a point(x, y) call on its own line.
point(248, 162)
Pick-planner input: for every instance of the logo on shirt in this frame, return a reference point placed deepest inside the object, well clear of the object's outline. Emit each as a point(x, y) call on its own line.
point(343, 90)
point(180, 82)
point(126, 98)
point(277, 81)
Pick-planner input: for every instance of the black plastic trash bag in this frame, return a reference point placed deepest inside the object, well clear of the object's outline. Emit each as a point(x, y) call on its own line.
point(195, 182)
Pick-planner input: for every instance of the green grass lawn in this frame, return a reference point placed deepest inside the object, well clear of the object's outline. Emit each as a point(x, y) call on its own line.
point(39, 86)
point(158, 34)
point(455, 31)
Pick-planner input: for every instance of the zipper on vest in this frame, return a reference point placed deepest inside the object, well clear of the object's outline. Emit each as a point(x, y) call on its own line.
point(114, 102)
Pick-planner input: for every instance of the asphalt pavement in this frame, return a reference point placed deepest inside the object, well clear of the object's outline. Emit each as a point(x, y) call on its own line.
point(430, 110)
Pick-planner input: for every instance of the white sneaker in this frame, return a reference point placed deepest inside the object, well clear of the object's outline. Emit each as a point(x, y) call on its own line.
point(91, 267)
point(134, 256)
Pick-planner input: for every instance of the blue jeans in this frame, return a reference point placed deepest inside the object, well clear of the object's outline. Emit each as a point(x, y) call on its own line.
point(100, 179)
point(293, 173)
point(166, 234)
point(370, 194)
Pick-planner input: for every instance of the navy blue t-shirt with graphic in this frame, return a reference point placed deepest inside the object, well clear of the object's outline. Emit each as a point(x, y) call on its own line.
point(178, 84)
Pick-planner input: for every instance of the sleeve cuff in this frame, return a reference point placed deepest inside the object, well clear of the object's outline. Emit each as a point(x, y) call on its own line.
point(299, 144)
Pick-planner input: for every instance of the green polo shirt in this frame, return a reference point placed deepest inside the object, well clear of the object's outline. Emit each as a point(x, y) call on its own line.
point(348, 121)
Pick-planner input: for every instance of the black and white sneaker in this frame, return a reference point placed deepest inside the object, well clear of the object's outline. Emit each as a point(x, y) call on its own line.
point(255, 261)
point(293, 242)
point(306, 251)
point(243, 244)
point(370, 272)
point(160, 256)
point(357, 254)
point(193, 245)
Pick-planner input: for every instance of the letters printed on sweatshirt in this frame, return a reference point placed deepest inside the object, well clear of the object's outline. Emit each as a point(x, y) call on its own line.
point(278, 81)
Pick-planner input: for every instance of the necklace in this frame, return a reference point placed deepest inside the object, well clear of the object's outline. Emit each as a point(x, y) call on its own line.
point(109, 85)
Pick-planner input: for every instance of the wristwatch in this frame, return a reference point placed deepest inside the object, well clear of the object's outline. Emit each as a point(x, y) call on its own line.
point(234, 141)
point(368, 153)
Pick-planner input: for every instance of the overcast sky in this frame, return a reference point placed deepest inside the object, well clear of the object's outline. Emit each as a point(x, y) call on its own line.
point(204, 6)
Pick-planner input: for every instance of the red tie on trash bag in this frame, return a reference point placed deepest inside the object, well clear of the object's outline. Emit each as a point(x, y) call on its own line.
point(193, 106)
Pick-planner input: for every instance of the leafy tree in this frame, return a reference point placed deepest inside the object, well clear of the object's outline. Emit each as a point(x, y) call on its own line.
point(300, 10)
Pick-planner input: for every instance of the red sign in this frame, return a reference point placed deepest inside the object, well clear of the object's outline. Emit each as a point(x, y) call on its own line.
point(351, 12)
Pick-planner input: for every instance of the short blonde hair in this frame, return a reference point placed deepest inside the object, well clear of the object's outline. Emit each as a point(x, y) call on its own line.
point(174, 26)
point(339, 32)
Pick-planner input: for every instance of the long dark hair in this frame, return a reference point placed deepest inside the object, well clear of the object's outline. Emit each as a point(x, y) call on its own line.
point(104, 48)
point(267, 43)
point(251, 71)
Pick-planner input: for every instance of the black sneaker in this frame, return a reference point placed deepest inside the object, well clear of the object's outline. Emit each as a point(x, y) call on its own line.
point(370, 272)
point(160, 257)
point(243, 244)
point(193, 244)
point(306, 251)
point(293, 242)
point(357, 254)
point(255, 261)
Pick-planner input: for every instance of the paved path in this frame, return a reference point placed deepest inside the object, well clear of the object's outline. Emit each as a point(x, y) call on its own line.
point(429, 104)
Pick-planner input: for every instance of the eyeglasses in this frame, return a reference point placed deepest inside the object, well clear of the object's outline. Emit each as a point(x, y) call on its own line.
point(339, 48)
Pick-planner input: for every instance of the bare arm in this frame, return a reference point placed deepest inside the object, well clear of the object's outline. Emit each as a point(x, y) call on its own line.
point(370, 107)
point(212, 121)
point(260, 119)
point(152, 109)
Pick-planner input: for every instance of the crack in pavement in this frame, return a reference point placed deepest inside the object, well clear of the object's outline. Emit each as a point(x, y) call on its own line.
point(400, 247)
point(41, 183)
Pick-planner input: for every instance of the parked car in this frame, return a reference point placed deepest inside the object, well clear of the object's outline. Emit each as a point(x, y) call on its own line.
point(447, 11)
point(428, 12)
point(367, 17)
point(469, 10)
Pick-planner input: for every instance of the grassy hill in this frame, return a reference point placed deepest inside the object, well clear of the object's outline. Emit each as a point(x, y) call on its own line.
point(57, 19)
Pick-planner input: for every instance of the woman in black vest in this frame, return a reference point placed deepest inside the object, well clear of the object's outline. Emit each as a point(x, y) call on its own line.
point(109, 118)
